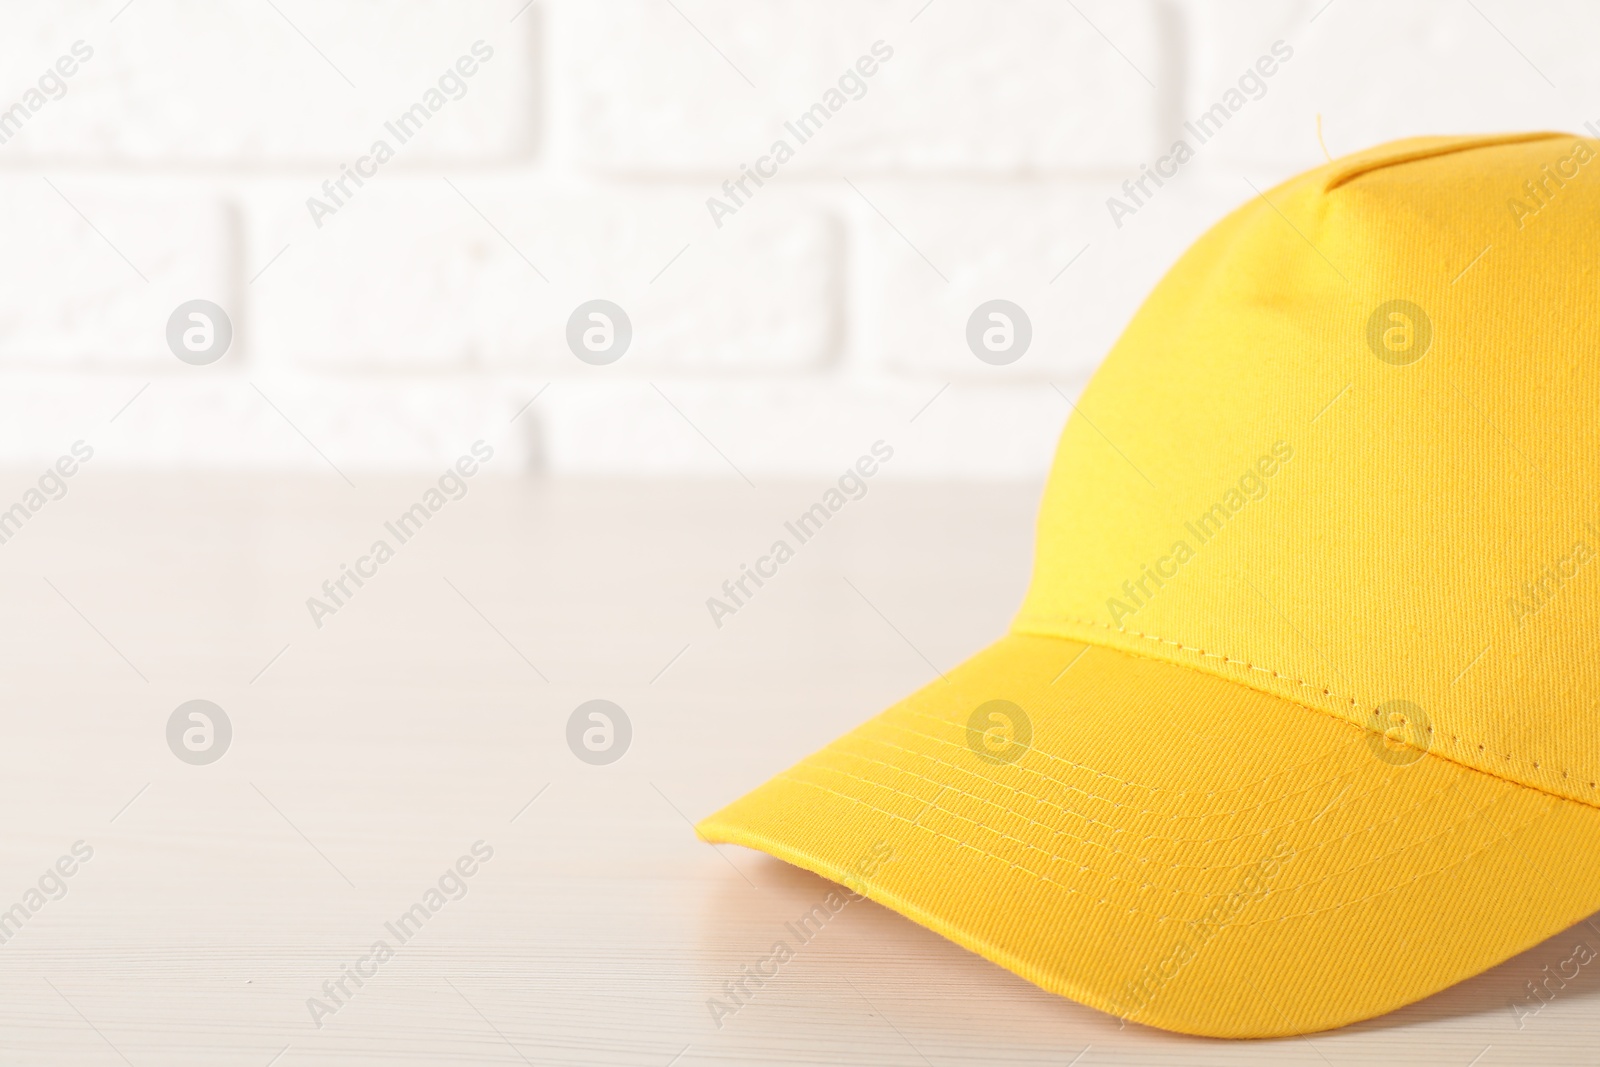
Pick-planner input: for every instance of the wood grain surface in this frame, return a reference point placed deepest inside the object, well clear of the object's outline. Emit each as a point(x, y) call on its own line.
point(429, 714)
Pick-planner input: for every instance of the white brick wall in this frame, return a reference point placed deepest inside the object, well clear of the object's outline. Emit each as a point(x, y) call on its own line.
point(239, 85)
point(92, 269)
point(970, 89)
point(825, 311)
point(412, 276)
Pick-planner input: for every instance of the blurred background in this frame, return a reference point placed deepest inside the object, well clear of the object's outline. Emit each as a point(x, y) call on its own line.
point(823, 309)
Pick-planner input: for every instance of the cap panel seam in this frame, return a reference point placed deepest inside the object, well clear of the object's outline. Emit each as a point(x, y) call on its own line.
point(1353, 171)
point(1325, 690)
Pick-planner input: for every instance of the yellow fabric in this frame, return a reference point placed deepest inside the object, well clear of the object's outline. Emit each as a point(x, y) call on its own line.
point(1380, 562)
point(1303, 703)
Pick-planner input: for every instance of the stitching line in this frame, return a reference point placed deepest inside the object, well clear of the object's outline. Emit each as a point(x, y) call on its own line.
point(1095, 822)
point(1325, 690)
point(1117, 877)
point(1164, 918)
point(1138, 785)
point(1057, 831)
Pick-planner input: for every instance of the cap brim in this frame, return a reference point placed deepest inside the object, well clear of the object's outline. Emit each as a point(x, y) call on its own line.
point(1174, 847)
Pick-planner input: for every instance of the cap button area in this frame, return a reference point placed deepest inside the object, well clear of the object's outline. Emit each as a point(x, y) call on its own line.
point(1412, 149)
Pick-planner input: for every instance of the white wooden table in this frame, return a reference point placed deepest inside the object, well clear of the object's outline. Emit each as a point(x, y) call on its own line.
point(430, 713)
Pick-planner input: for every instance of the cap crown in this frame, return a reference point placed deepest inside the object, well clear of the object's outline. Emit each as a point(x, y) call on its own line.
point(1348, 452)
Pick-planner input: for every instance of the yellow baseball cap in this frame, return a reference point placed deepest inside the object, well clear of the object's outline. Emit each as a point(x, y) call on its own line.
point(1300, 719)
